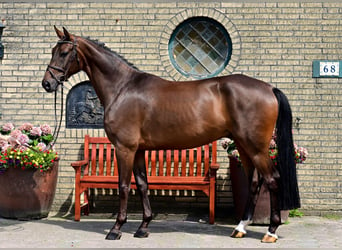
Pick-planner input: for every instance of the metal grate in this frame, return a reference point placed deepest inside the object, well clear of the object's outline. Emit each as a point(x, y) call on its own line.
point(200, 47)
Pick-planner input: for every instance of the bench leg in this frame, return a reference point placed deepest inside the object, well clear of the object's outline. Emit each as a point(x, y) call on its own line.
point(86, 201)
point(212, 193)
point(212, 209)
point(77, 203)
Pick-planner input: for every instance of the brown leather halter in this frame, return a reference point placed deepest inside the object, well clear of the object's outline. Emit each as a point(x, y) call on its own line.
point(60, 80)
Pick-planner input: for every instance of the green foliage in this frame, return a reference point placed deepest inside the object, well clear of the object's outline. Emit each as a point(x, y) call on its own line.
point(31, 158)
point(295, 213)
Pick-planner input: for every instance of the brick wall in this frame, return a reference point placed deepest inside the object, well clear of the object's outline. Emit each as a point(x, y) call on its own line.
point(275, 42)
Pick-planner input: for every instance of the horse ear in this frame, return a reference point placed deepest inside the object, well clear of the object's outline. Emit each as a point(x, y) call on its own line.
point(58, 32)
point(66, 34)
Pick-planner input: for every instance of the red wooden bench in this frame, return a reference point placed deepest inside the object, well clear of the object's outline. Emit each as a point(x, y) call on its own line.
point(188, 169)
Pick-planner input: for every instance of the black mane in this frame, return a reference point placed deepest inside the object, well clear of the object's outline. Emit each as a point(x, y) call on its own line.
point(102, 45)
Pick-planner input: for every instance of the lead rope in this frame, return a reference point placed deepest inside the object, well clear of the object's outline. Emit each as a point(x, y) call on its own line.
point(57, 127)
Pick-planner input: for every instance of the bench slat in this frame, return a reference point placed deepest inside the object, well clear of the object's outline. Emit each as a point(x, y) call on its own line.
point(153, 162)
point(108, 159)
point(168, 162)
point(161, 162)
point(176, 162)
point(199, 161)
point(191, 162)
point(206, 158)
point(183, 160)
point(93, 159)
point(86, 154)
point(100, 158)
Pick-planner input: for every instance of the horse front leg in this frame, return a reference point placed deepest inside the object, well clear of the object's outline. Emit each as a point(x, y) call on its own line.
point(140, 176)
point(125, 158)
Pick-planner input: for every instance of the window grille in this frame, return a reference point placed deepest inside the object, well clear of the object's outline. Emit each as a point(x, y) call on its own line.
point(200, 47)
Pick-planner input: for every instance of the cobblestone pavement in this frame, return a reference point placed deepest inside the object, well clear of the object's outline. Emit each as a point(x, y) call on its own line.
point(166, 232)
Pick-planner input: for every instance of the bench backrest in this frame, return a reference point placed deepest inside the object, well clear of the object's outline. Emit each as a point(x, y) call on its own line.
point(100, 154)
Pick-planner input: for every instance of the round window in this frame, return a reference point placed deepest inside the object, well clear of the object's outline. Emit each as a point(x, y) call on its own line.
point(200, 47)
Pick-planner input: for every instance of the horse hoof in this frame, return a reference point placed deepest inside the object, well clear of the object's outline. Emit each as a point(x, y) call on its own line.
point(269, 239)
point(237, 234)
point(142, 233)
point(114, 235)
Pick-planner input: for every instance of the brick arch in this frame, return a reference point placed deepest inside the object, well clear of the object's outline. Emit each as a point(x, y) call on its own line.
point(198, 12)
point(75, 79)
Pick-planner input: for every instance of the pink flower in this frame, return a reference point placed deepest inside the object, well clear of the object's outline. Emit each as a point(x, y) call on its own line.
point(273, 144)
point(36, 131)
point(225, 142)
point(7, 127)
point(274, 135)
point(235, 153)
point(15, 133)
point(46, 130)
point(26, 127)
point(42, 146)
point(23, 139)
point(13, 142)
point(5, 147)
point(302, 153)
point(3, 143)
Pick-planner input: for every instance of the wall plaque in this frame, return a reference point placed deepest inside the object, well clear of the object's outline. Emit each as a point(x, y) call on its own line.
point(83, 107)
point(326, 68)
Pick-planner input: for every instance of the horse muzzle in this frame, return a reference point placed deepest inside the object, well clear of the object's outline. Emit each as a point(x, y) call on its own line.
point(49, 86)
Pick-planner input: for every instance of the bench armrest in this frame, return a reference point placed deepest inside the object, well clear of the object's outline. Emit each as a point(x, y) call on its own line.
point(77, 165)
point(214, 166)
point(213, 169)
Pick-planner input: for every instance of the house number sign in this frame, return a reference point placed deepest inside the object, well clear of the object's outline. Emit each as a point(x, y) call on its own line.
point(327, 68)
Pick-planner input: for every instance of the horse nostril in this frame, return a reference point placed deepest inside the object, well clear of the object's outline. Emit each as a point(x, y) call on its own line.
point(46, 85)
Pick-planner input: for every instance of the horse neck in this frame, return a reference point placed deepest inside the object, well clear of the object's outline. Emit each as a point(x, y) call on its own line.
point(107, 72)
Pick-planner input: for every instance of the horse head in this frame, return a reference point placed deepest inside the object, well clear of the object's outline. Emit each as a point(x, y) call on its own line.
point(64, 61)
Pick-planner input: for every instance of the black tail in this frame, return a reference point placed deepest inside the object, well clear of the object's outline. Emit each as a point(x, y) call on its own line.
point(288, 186)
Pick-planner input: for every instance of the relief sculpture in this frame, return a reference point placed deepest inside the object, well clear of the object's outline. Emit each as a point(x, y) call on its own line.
point(84, 109)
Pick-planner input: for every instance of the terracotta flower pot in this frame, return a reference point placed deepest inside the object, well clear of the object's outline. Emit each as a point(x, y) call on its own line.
point(240, 195)
point(27, 194)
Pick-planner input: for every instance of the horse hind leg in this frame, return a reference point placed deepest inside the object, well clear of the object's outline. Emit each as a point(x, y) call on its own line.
point(140, 176)
point(271, 179)
point(255, 181)
point(275, 217)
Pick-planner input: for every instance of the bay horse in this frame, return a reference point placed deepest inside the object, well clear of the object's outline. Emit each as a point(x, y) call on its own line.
point(144, 112)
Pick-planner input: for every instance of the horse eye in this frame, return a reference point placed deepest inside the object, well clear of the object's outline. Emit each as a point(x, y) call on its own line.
point(64, 53)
